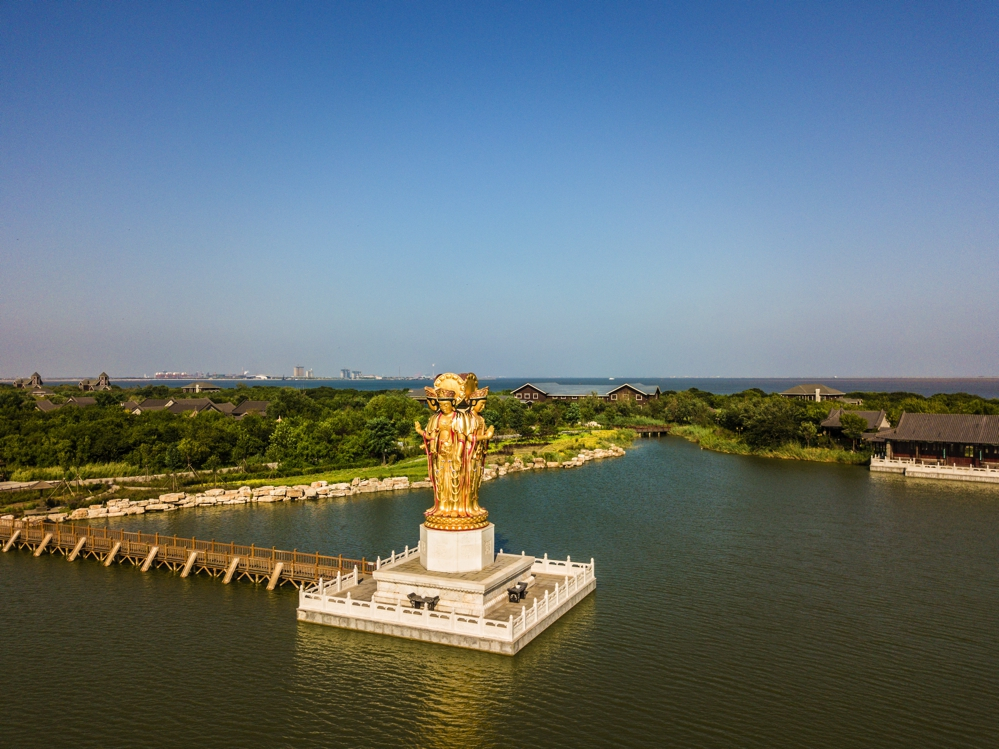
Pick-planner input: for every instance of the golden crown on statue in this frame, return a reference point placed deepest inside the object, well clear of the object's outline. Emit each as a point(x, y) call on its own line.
point(455, 442)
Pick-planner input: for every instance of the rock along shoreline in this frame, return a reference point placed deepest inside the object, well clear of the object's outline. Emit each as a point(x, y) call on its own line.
point(115, 508)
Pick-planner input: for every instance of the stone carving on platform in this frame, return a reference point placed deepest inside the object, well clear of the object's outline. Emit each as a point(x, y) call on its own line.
point(455, 441)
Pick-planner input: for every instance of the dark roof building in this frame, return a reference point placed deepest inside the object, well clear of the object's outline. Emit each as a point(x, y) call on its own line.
point(201, 387)
point(876, 420)
point(629, 391)
point(45, 406)
point(951, 439)
point(250, 407)
point(813, 392)
point(80, 401)
point(35, 381)
point(195, 405)
point(103, 382)
point(151, 404)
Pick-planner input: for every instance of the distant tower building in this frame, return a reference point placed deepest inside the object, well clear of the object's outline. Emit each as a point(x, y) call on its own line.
point(344, 374)
point(299, 371)
point(308, 374)
point(355, 374)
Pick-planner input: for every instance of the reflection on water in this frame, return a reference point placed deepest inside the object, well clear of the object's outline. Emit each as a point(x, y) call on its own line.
point(741, 602)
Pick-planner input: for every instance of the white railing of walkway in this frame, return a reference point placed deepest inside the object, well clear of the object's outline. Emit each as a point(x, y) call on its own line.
point(324, 599)
point(932, 463)
point(335, 585)
point(398, 558)
point(530, 617)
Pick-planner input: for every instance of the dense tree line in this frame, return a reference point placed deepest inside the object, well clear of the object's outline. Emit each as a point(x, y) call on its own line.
point(314, 427)
point(761, 419)
point(768, 420)
point(345, 428)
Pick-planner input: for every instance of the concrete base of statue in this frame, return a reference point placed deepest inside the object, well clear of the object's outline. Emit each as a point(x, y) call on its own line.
point(456, 551)
point(470, 593)
point(472, 609)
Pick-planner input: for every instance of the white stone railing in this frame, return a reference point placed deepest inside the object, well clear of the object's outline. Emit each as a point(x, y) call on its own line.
point(333, 585)
point(397, 558)
point(324, 597)
point(529, 617)
point(440, 621)
point(932, 463)
point(546, 566)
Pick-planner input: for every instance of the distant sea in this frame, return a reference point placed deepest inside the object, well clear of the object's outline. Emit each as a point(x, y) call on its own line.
point(986, 387)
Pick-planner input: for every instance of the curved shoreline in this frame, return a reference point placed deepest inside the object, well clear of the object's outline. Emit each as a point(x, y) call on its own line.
point(170, 502)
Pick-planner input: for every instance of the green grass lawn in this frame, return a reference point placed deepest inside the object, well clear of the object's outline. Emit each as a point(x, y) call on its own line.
point(88, 471)
point(414, 468)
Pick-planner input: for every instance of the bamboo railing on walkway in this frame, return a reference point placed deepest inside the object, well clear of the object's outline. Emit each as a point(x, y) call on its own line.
point(189, 555)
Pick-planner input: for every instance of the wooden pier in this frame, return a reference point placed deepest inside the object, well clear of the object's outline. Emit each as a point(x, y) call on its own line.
point(645, 431)
point(189, 556)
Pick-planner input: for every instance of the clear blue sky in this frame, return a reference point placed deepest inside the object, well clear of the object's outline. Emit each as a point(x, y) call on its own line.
point(580, 189)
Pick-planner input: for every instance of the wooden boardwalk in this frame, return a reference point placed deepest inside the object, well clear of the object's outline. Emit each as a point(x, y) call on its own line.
point(645, 431)
point(228, 561)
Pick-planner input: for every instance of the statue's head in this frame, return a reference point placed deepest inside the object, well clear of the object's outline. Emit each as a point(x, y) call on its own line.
point(461, 388)
point(446, 405)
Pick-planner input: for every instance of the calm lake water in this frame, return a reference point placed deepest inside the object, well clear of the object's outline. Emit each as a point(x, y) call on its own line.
point(741, 602)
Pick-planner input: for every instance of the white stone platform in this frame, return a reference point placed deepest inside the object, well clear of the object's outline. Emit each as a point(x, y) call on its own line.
point(502, 627)
point(928, 470)
point(473, 593)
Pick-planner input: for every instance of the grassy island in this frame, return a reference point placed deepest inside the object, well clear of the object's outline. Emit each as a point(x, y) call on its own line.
point(724, 441)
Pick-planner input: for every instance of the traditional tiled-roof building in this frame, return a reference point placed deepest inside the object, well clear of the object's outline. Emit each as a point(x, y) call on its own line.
point(876, 420)
point(197, 406)
point(103, 382)
point(201, 387)
point(540, 392)
point(250, 407)
point(29, 383)
point(950, 439)
point(813, 392)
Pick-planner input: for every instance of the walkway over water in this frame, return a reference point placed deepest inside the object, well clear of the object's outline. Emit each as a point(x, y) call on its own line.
point(230, 561)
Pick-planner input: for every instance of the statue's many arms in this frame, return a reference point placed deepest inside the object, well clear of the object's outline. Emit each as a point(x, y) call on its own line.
point(455, 441)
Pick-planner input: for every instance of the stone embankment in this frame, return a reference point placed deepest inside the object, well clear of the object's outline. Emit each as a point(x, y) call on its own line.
point(492, 470)
point(115, 508)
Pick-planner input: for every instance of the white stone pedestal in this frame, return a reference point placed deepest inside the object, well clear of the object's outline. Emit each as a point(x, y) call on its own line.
point(456, 551)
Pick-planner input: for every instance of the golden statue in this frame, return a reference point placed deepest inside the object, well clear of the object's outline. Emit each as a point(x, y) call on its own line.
point(455, 441)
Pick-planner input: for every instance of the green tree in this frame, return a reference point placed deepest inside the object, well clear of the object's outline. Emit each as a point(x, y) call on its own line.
point(107, 399)
point(590, 406)
point(381, 436)
point(808, 432)
point(213, 464)
point(547, 419)
point(853, 427)
point(573, 415)
point(193, 451)
point(516, 416)
point(772, 422)
point(686, 408)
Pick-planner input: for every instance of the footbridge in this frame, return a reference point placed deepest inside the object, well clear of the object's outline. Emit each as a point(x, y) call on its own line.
point(189, 556)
